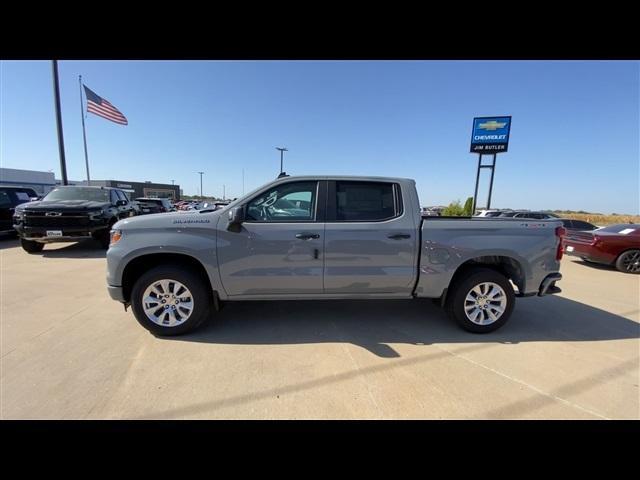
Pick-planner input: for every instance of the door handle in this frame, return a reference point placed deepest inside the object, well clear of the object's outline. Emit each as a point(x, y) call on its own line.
point(307, 236)
point(399, 236)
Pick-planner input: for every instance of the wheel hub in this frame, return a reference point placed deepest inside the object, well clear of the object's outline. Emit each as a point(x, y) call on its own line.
point(485, 303)
point(167, 303)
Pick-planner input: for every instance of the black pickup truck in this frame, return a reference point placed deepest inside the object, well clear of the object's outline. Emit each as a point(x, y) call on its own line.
point(70, 214)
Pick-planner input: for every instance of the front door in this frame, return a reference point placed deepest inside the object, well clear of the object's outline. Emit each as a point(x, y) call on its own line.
point(279, 247)
point(370, 239)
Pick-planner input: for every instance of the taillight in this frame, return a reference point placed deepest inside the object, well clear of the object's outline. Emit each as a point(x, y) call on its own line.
point(560, 233)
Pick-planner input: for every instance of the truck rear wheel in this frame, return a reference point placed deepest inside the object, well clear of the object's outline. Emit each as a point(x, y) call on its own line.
point(30, 246)
point(169, 301)
point(481, 301)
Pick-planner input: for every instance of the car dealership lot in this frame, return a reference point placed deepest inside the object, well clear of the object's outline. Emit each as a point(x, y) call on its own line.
point(70, 352)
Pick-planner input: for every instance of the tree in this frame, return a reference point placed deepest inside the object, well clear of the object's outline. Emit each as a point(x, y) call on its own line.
point(468, 207)
point(454, 209)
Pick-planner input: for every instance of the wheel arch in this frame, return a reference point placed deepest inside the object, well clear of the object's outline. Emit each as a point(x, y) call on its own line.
point(508, 266)
point(143, 263)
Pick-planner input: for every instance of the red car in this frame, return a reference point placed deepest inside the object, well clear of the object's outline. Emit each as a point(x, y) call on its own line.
point(617, 245)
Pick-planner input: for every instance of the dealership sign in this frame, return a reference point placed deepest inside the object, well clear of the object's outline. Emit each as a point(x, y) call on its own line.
point(490, 134)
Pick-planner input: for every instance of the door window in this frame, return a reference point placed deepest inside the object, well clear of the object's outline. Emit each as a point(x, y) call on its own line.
point(289, 202)
point(365, 201)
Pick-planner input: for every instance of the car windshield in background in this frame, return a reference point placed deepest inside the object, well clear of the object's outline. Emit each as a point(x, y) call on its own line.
point(78, 193)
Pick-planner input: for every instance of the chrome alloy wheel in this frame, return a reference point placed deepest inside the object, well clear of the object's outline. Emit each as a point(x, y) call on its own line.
point(167, 303)
point(631, 261)
point(485, 303)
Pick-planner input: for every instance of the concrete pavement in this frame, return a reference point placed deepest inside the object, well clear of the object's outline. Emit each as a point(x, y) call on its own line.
point(70, 352)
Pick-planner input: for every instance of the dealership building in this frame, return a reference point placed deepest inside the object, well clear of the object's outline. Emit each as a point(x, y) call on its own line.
point(136, 189)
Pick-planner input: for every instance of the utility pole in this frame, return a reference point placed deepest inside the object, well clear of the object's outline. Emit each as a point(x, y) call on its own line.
point(56, 94)
point(224, 191)
point(201, 173)
point(282, 150)
point(243, 181)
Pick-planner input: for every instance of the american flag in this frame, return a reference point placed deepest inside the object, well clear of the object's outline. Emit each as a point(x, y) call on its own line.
point(99, 106)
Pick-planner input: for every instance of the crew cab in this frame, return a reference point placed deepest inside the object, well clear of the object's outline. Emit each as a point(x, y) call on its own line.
point(70, 214)
point(328, 237)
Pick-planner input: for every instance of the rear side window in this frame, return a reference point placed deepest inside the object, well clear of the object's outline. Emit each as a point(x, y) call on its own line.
point(366, 201)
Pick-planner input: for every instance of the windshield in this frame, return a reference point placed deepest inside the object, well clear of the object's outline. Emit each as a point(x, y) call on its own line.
point(78, 193)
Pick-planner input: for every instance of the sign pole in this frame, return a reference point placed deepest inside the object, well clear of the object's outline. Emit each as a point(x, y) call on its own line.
point(493, 169)
point(475, 195)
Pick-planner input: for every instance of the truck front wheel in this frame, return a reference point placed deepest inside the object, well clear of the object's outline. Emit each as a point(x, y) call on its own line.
point(30, 246)
point(481, 301)
point(168, 300)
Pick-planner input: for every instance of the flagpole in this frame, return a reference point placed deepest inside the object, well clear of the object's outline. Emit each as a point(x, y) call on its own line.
point(84, 132)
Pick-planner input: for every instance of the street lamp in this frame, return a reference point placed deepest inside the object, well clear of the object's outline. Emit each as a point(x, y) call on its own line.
point(282, 150)
point(201, 173)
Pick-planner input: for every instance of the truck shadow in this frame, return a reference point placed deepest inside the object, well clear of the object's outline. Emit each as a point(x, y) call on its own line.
point(374, 324)
point(83, 249)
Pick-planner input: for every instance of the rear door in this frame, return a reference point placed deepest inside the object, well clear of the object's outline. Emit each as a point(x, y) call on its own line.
point(370, 239)
point(278, 249)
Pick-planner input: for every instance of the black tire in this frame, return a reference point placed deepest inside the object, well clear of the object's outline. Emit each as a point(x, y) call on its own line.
point(202, 299)
point(455, 303)
point(627, 262)
point(30, 246)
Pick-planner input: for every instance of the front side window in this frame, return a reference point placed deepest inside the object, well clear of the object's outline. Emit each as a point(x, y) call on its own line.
point(365, 201)
point(289, 202)
point(122, 196)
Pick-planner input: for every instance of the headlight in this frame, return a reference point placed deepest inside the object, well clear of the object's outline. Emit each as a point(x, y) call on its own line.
point(116, 235)
point(18, 215)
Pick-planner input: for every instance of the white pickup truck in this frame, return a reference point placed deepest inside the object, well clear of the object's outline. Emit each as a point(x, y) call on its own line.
point(328, 237)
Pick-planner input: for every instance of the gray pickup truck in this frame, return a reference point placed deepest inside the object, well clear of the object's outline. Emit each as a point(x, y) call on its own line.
point(328, 237)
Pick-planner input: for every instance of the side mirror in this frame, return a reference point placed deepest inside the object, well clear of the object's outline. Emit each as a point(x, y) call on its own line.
point(236, 217)
point(121, 203)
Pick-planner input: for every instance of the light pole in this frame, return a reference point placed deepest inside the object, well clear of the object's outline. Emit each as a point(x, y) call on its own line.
point(201, 184)
point(224, 191)
point(56, 96)
point(282, 150)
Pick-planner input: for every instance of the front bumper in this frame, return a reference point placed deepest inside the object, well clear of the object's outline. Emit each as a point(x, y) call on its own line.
point(548, 285)
point(69, 234)
point(116, 293)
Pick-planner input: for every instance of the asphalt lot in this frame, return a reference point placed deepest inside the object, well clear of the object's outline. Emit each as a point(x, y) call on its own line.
point(69, 352)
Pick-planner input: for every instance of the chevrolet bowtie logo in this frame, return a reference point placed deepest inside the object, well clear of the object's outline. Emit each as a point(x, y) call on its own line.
point(491, 125)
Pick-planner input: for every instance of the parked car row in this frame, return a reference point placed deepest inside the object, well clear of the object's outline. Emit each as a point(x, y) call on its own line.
point(70, 213)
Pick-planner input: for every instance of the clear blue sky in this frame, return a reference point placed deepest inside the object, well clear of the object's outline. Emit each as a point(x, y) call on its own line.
point(574, 138)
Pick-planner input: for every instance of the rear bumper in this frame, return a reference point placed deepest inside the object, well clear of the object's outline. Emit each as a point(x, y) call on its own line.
point(548, 285)
point(587, 252)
